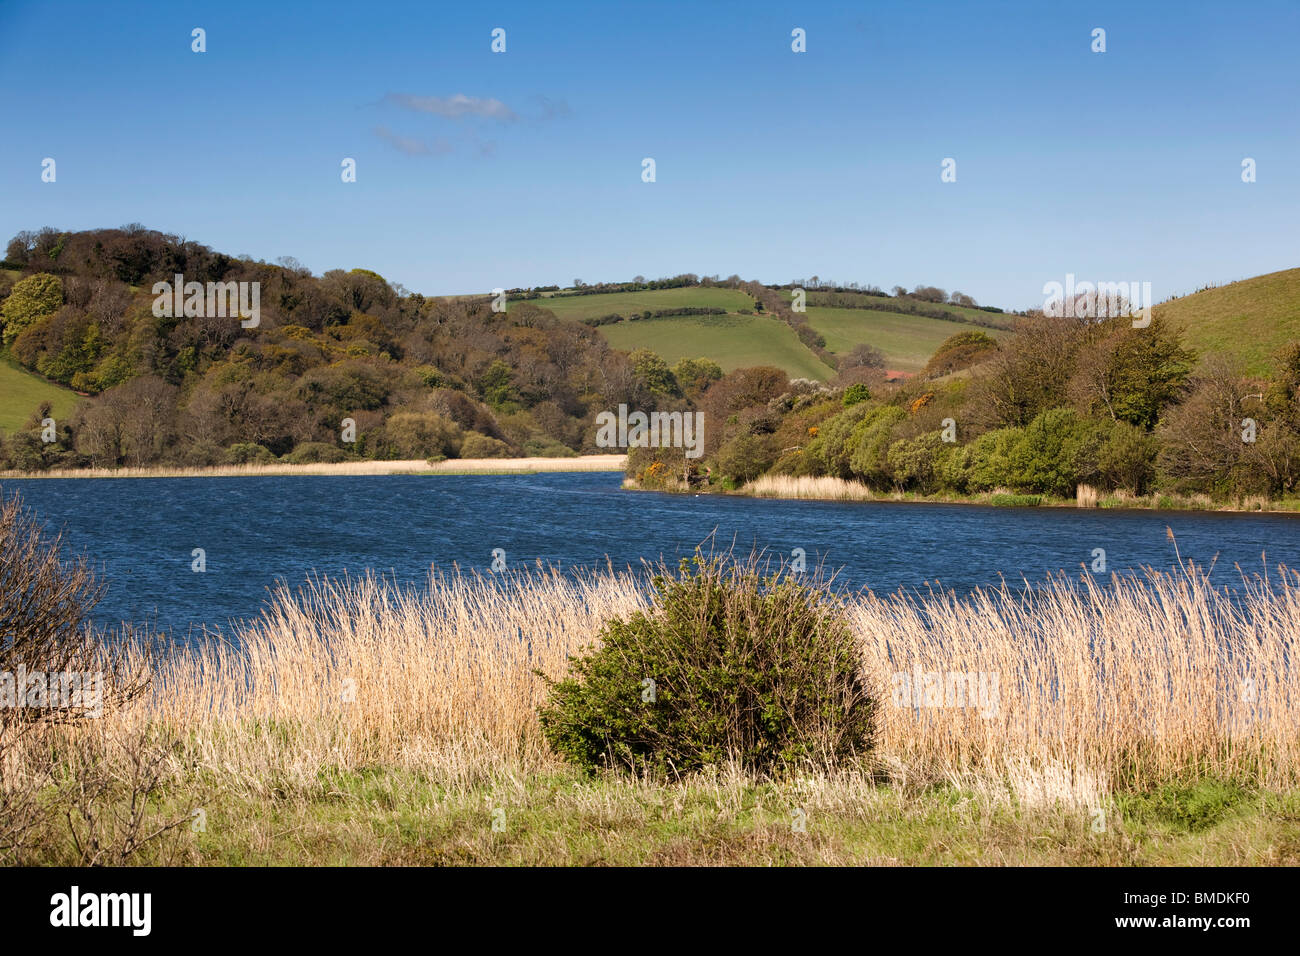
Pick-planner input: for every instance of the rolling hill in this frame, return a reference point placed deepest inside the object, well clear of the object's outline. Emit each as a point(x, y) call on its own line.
point(653, 300)
point(21, 393)
point(733, 341)
point(736, 340)
point(1251, 319)
point(907, 341)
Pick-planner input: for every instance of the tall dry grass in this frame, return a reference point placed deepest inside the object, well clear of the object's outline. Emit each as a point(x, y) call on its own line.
point(821, 487)
point(417, 466)
point(1100, 686)
point(353, 672)
point(1123, 684)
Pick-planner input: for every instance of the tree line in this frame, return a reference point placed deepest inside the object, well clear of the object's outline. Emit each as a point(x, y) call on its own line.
point(1056, 404)
point(414, 377)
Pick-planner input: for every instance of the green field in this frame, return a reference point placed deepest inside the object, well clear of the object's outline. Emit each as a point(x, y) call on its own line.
point(907, 341)
point(624, 303)
point(977, 316)
point(733, 341)
point(736, 341)
point(1251, 319)
point(21, 393)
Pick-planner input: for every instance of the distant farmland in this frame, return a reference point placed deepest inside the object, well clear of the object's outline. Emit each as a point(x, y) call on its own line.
point(654, 300)
point(907, 341)
point(733, 341)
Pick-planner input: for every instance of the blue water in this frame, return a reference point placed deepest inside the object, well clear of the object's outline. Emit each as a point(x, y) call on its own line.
point(141, 534)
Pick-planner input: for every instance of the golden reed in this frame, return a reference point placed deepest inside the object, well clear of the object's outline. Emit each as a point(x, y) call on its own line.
point(1095, 684)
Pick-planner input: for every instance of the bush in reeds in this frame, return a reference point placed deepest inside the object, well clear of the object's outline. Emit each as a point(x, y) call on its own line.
point(730, 665)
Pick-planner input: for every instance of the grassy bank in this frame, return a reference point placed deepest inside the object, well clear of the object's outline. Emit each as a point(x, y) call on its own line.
point(22, 392)
point(384, 816)
point(1150, 720)
point(825, 488)
point(452, 466)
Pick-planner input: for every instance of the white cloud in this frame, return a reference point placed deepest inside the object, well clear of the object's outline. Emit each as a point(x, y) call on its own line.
point(455, 107)
point(412, 147)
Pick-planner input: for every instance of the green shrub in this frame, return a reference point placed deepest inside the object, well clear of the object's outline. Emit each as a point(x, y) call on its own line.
point(543, 446)
point(1056, 451)
point(988, 459)
point(916, 463)
point(202, 453)
point(1127, 459)
point(410, 435)
point(247, 453)
point(313, 452)
point(856, 393)
point(481, 446)
point(870, 442)
point(829, 453)
point(746, 666)
point(746, 457)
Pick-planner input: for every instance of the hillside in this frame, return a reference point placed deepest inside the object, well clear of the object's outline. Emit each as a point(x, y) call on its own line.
point(904, 306)
point(21, 394)
point(341, 366)
point(733, 341)
point(345, 366)
point(906, 340)
point(653, 300)
point(1251, 319)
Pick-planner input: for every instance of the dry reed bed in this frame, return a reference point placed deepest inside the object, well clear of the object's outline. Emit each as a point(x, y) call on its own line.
point(1129, 683)
point(417, 466)
point(820, 488)
point(1098, 686)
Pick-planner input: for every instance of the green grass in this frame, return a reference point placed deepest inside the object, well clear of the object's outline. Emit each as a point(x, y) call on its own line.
point(977, 316)
point(21, 393)
point(1016, 501)
point(733, 341)
point(385, 816)
point(907, 341)
point(692, 297)
point(1251, 319)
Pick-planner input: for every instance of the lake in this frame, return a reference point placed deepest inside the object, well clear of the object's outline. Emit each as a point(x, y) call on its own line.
point(256, 530)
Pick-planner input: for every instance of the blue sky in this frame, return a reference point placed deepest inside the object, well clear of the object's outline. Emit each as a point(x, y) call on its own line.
point(477, 170)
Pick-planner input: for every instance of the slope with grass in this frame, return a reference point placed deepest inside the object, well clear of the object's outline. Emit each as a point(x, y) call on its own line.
point(907, 341)
point(21, 394)
point(733, 341)
point(1251, 319)
point(901, 306)
point(652, 300)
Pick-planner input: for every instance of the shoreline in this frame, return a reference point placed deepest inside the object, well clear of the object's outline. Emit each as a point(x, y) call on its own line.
point(418, 467)
point(853, 492)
